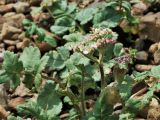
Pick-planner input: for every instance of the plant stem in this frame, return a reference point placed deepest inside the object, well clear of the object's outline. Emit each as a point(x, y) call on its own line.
point(73, 98)
point(83, 93)
point(51, 78)
point(50, 13)
point(120, 5)
point(103, 83)
point(101, 56)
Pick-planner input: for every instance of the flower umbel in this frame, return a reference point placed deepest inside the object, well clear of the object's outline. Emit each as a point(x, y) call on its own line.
point(123, 59)
point(98, 38)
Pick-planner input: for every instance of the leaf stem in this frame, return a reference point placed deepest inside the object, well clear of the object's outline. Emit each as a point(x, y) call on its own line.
point(100, 64)
point(73, 98)
point(83, 93)
point(103, 83)
point(120, 5)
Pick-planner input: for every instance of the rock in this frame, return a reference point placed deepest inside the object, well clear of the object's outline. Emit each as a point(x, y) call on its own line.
point(139, 44)
point(40, 16)
point(21, 7)
point(142, 68)
point(22, 45)
point(21, 91)
point(139, 8)
point(6, 8)
point(9, 31)
point(12, 20)
point(3, 113)
point(153, 48)
point(157, 57)
point(8, 14)
point(13, 103)
point(2, 2)
point(3, 96)
point(21, 36)
point(11, 48)
point(10, 1)
point(150, 27)
point(1, 56)
point(142, 56)
point(154, 110)
point(1, 38)
point(44, 47)
point(34, 2)
point(10, 42)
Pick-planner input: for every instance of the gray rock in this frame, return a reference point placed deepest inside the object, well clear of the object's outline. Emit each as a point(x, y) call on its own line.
point(6, 8)
point(21, 7)
point(153, 48)
point(34, 2)
point(157, 57)
point(9, 31)
point(23, 44)
point(21, 36)
point(3, 96)
point(142, 56)
point(142, 68)
point(12, 19)
point(10, 42)
point(150, 27)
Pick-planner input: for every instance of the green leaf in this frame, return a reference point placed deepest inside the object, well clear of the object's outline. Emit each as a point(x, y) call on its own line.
point(125, 87)
point(72, 40)
point(55, 61)
point(30, 30)
point(50, 40)
point(126, 116)
point(64, 52)
point(108, 52)
point(33, 65)
point(85, 15)
point(12, 67)
point(31, 108)
point(127, 6)
point(62, 25)
point(41, 34)
point(38, 81)
point(73, 37)
point(11, 63)
point(79, 59)
point(141, 76)
point(155, 71)
point(103, 107)
point(56, 7)
point(118, 49)
point(30, 58)
point(48, 99)
point(42, 63)
point(107, 17)
point(14, 118)
point(71, 7)
point(29, 80)
point(59, 30)
point(3, 76)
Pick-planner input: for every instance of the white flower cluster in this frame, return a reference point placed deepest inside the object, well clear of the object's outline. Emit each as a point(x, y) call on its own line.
point(98, 38)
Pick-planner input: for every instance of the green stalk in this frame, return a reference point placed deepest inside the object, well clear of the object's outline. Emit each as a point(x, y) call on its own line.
point(100, 64)
point(103, 83)
point(72, 97)
point(83, 93)
point(120, 5)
